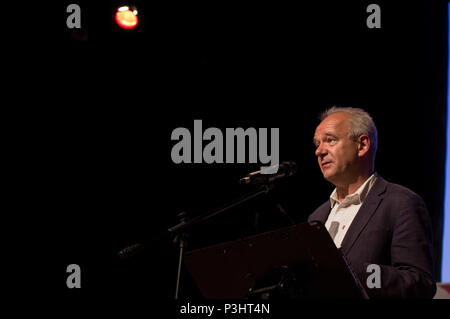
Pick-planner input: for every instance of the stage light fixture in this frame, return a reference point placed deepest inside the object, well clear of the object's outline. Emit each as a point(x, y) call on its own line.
point(126, 17)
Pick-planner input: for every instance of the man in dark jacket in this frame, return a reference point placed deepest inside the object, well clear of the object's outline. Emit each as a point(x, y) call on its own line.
point(372, 221)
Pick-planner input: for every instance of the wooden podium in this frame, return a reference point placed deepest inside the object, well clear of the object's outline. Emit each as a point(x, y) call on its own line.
point(299, 261)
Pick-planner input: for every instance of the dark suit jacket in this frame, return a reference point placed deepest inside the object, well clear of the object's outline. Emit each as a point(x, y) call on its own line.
point(392, 229)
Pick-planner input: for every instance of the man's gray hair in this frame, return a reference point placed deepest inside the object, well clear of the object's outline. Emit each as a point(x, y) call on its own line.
point(360, 123)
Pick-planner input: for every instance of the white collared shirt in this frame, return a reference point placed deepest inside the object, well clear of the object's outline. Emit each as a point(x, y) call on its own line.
point(344, 212)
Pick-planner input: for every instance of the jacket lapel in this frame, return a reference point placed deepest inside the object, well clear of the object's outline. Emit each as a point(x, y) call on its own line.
point(321, 214)
point(364, 214)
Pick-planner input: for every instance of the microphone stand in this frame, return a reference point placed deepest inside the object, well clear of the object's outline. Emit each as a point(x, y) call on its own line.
point(178, 230)
point(181, 240)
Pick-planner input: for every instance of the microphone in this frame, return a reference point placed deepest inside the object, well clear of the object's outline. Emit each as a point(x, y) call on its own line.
point(136, 249)
point(284, 169)
point(130, 251)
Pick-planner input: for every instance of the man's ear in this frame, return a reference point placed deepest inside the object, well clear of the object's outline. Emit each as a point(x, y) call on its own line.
point(363, 145)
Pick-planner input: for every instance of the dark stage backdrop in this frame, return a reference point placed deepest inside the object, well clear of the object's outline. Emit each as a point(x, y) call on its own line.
point(104, 173)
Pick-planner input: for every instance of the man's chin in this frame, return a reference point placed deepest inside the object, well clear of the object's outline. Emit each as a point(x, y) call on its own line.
point(329, 176)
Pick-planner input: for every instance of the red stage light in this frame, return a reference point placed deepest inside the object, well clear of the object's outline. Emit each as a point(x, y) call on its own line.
point(126, 18)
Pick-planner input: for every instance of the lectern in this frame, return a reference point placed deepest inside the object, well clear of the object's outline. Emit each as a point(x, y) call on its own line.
point(299, 261)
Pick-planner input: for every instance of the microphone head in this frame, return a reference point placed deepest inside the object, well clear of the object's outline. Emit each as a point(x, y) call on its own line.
point(284, 169)
point(129, 251)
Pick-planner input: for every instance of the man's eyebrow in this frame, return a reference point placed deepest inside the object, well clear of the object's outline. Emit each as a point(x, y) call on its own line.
point(315, 140)
point(330, 134)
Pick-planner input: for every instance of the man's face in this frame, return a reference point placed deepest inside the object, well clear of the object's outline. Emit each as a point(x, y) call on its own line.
point(336, 153)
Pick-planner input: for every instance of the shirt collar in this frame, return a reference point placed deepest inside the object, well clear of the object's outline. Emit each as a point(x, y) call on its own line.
point(357, 197)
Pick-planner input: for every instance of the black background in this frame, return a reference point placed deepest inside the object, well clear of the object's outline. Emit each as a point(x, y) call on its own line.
point(102, 173)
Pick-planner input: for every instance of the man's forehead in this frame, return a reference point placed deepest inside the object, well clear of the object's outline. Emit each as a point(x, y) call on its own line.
point(333, 124)
point(326, 133)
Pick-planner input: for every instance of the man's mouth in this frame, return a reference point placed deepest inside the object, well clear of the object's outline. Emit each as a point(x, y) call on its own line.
point(326, 164)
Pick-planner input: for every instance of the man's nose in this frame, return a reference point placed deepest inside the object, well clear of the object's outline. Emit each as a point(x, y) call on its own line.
point(320, 151)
